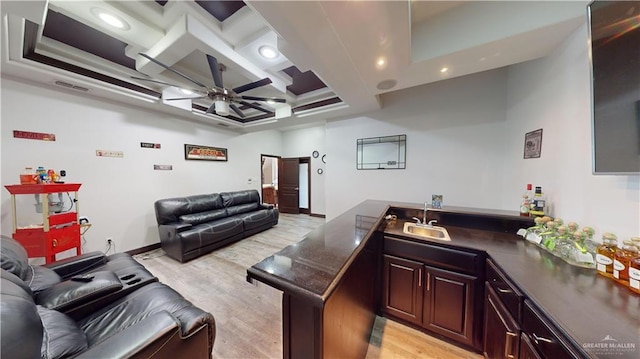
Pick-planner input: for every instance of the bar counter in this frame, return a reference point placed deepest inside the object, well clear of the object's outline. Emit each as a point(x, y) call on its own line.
point(330, 287)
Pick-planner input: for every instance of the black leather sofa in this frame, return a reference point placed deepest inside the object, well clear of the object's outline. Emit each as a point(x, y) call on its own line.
point(121, 312)
point(195, 225)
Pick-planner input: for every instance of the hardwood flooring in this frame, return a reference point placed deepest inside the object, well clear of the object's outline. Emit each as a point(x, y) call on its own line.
point(248, 317)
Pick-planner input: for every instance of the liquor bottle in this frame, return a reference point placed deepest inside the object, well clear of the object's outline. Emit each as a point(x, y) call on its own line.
point(621, 260)
point(634, 274)
point(525, 203)
point(605, 253)
point(538, 203)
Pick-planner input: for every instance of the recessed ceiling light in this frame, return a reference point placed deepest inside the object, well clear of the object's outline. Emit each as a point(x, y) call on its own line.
point(381, 62)
point(110, 19)
point(444, 69)
point(268, 52)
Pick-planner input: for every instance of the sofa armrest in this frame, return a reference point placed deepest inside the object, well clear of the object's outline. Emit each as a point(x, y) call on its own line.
point(71, 293)
point(69, 267)
point(169, 239)
point(265, 206)
point(146, 336)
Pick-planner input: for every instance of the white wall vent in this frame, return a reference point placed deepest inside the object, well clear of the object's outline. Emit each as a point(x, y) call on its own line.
point(70, 86)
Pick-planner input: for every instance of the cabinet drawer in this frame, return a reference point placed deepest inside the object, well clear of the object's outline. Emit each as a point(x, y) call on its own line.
point(544, 337)
point(509, 295)
point(441, 257)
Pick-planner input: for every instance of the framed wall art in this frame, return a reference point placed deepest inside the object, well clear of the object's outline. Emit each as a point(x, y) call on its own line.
point(533, 144)
point(204, 153)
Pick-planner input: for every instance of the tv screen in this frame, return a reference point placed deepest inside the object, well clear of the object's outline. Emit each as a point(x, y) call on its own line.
point(614, 31)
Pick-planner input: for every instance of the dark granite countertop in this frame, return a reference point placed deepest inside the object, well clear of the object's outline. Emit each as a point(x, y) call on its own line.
point(585, 305)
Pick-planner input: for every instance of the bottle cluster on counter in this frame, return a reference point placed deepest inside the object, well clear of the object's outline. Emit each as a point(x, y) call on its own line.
point(533, 204)
point(577, 247)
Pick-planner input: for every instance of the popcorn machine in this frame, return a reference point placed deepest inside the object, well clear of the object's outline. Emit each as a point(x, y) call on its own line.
point(60, 229)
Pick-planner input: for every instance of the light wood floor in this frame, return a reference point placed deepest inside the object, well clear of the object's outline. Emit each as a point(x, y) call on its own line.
point(248, 316)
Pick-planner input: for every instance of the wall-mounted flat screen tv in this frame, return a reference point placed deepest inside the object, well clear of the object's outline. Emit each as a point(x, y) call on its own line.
point(614, 31)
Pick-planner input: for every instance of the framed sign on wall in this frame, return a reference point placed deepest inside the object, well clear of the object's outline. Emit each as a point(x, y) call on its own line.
point(204, 153)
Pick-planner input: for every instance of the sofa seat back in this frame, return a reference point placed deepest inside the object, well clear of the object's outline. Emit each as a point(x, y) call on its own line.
point(205, 205)
point(240, 201)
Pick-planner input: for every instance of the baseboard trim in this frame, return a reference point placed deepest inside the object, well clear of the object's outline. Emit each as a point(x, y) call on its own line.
point(148, 248)
point(317, 215)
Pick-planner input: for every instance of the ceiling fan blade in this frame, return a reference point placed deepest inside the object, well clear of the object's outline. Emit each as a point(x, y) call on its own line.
point(185, 98)
point(252, 85)
point(236, 110)
point(156, 81)
point(248, 104)
point(215, 70)
point(280, 100)
point(212, 108)
point(172, 70)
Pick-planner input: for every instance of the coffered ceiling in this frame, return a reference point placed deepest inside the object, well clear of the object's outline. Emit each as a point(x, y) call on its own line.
point(334, 58)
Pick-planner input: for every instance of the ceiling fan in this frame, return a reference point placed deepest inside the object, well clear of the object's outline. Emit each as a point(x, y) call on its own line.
point(223, 98)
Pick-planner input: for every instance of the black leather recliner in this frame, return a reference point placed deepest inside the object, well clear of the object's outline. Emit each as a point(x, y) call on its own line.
point(103, 318)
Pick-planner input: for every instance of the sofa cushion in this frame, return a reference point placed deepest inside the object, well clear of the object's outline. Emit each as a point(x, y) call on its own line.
point(240, 197)
point(13, 257)
point(169, 210)
point(41, 278)
point(242, 208)
point(203, 217)
point(61, 336)
point(209, 233)
point(259, 218)
point(21, 328)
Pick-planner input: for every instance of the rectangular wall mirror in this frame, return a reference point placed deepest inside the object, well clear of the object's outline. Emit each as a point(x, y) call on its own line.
point(379, 153)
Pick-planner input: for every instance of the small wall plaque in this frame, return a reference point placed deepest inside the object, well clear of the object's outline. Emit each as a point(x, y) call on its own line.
point(103, 153)
point(533, 144)
point(34, 135)
point(149, 145)
point(163, 167)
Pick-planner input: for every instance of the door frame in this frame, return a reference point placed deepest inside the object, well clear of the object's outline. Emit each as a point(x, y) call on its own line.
point(307, 160)
point(263, 155)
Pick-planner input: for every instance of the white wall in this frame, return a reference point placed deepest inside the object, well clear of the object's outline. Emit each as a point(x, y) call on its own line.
point(302, 143)
point(553, 93)
point(455, 131)
point(465, 140)
point(117, 194)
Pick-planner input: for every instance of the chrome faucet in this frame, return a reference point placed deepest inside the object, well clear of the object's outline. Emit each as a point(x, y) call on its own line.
point(424, 222)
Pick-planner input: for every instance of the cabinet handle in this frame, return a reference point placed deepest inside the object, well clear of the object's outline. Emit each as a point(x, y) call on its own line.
point(508, 347)
point(538, 339)
point(504, 290)
point(428, 280)
point(420, 277)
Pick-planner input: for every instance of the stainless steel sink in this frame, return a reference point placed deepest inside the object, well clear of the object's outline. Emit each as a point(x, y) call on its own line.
point(431, 232)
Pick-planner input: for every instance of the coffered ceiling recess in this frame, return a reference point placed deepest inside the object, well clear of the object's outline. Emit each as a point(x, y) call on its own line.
point(327, 59)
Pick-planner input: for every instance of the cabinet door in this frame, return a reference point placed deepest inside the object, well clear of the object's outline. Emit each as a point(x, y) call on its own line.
point(448, 304)
point(402, 288)
point(501, 331)
point(544, 336)
point(527, 351)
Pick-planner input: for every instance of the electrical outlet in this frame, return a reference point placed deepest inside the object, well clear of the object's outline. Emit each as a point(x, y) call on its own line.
point(109, 241)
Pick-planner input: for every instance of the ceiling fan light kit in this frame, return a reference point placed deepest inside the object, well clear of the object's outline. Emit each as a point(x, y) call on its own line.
point(221, 107)
point(223, 98)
